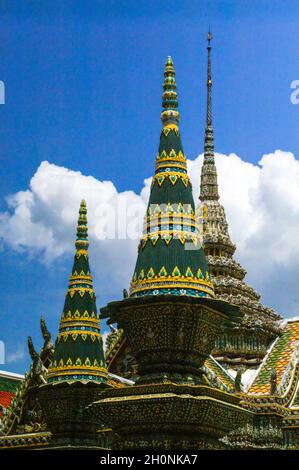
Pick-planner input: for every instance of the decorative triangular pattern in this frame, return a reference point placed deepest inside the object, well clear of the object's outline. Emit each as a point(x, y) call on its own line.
point(170, 244)
point(79, 344)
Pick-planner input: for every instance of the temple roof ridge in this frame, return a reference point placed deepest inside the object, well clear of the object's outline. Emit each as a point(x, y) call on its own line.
point(282, 357)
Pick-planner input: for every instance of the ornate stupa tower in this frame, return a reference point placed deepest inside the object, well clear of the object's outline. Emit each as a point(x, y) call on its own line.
point(170, 318)
point(77, 373)
point(246, 344)
point(78, 350)
point(170, 258)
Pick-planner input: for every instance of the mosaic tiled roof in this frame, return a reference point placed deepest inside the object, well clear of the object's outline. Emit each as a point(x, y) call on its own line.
point(221, 374)
point(282, 355)
point(8, 388)
point(5, 399)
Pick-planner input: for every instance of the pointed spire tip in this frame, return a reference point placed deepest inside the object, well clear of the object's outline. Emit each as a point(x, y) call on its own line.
point(82, 229)
point(208, 184)
point(170, 113)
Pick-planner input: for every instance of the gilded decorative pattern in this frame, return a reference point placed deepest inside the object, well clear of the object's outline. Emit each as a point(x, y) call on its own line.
point(172, 176)
point(178, 209)
point(189, 280)
point(168, 235)
point(79, 348)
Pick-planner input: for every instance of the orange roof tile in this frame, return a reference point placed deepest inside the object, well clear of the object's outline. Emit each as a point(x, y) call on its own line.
point(5, 399)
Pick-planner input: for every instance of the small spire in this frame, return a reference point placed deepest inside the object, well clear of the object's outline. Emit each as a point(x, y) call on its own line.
point(209, 81)
point(78, 353)
point(209, 184)
point(170, 114)
point(82, 229)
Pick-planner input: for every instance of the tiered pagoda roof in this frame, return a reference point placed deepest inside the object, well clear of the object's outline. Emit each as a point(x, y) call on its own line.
point(260, 322)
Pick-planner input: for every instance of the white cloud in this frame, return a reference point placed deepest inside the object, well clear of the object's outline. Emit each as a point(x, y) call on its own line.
point(16, 355)
point(261, 203)
point(42, 220)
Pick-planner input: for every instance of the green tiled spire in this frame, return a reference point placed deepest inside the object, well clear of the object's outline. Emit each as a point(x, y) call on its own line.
point(79, 349)
point(170, 257)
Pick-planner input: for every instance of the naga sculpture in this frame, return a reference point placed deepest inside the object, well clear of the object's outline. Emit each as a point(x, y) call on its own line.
point(38, 369)
point(48, 347)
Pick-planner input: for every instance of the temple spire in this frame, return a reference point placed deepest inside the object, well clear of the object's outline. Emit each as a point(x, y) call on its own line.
point(82, 242)
point(170, 114)
point(209, 185)
point(79, 351)
point(209, 82)
point(170, 257)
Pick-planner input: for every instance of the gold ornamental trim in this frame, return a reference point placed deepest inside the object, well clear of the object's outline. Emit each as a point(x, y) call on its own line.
point(172, 176)
point(183, 283)
point(169, 114)
point(169, 235)
point(81, 291)
point(175, 274)
point(171, 156)
point(81, 275)
point(168, 164)
point(81, 252)
point(170, 209)
point(77, 316)
point(71, 370)
point(178, 221)
point(75, 323)
point(171, 215)
point(170, 127)
point(84, 334)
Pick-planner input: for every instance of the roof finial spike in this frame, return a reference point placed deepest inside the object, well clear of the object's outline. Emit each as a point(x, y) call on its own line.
point(209, 81)
point(82, 229)
point(170, 114)
point(209, 185)
point(210, 37)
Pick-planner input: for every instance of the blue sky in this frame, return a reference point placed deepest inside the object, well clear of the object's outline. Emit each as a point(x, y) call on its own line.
point(83, 90)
